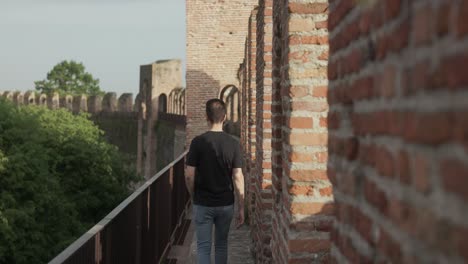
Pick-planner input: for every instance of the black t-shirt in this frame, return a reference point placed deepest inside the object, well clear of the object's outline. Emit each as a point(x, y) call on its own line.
point(214, 154)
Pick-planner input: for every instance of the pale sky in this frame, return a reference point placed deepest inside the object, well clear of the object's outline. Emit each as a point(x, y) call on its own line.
point(112, 38)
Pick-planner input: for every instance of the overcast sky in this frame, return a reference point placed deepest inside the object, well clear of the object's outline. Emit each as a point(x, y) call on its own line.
point(110, 37)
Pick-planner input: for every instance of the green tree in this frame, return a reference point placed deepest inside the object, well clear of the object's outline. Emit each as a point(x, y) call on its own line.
point(58, 177)
point(69, 77)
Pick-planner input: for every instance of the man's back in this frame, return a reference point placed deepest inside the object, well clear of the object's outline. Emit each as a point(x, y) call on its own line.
point(214, 154)
point(213, 173)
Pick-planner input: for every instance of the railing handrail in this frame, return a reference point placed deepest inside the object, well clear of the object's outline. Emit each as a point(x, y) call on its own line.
point(66, 253)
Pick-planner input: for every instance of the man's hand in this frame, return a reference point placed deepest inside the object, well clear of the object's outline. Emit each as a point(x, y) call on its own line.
point(240, 218)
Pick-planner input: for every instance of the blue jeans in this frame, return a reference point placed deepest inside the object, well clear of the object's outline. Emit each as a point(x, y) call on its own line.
point(204, 218)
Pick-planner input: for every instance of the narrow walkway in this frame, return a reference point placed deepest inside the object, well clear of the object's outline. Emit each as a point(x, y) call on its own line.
point(239, 247)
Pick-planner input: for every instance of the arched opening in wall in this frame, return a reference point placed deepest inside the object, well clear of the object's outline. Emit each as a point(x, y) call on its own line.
point(40, 100)
point(230, 96)
point(175, 101)
point(162, 103)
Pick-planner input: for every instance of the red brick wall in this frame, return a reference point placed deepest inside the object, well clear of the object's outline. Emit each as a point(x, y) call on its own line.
point(291, 216)
point(248, 117)
point(305, 203)
point(277, 242)
point(392, 137)
point(215, 49)
point(398, 129)
point(244, 104)
point(261, 228)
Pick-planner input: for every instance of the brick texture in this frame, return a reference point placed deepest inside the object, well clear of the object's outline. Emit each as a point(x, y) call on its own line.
point(248, 121)
point(293, 206)
point(397, 131)
point(261, 228)
point(249, 117)
point(303, 204)
point(215, 49)
point(354, 126)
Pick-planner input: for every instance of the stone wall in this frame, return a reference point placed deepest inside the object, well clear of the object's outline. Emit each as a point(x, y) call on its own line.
point(120, 129)
point(127, 124)
point(132, 126)
point(93, 104)
point(398, 131)
point(170, 140)
point(159, 82)
point(115, 116)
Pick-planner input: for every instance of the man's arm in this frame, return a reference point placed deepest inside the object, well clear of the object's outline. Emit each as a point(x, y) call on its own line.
point(190, 179)
point(239, 187)
point(192, 163)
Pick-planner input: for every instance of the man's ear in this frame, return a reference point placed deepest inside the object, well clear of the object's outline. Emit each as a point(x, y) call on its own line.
point(225, 118)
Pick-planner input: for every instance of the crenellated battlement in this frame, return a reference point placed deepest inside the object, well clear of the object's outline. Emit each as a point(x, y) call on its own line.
point(129, 122)
point(80, 103)
point(108, 103)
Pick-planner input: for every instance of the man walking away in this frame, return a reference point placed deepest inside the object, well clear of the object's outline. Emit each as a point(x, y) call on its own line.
point(213, 172)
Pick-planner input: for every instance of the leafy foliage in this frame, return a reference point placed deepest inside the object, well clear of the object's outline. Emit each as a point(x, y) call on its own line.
point(58, 177)
point(69, 77)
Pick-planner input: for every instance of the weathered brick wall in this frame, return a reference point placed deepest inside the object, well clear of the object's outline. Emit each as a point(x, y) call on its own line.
point(248, 118)
point(244, 126)
point(216, 34)
point(248, 90)
point(277, 243)
point(252, 94)
point(304, 204)
point(291, 216)
point(398, 129)
point(261, 228)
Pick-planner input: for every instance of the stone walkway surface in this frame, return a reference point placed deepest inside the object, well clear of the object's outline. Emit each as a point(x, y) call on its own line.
point(239, 246)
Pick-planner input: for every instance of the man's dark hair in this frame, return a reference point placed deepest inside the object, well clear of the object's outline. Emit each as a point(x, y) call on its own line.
point(215, 110)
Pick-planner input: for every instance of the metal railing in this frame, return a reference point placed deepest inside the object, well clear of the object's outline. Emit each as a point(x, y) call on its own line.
point(140, 229)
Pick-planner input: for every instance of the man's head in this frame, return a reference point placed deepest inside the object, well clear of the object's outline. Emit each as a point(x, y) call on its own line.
point(215, 111)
